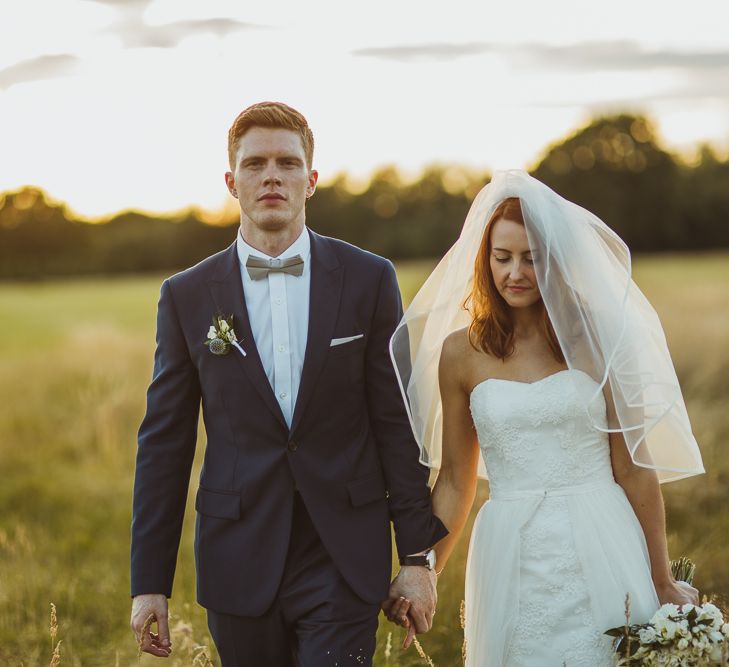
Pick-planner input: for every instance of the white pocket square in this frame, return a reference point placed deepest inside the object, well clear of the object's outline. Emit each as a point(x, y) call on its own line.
point(341, 341)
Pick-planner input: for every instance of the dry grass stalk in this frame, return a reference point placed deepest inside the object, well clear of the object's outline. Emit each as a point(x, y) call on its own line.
point(56, 657)
point(388, 647)
point(462, 617)
point(54, 626)
point(143, 633)
point(422, 653)
point(627, 625)
point(201, 659)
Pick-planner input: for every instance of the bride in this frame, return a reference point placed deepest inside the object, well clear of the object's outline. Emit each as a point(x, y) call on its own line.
point(530, 357)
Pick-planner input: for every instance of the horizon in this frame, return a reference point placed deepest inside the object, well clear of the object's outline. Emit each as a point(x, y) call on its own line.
point(128, 107)
point(356, 184)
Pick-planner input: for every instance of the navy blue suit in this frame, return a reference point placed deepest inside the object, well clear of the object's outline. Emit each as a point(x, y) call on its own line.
point(350, 451)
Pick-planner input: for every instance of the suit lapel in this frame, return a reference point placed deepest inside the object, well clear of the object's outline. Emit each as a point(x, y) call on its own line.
point(324, 296)
point(226, 288)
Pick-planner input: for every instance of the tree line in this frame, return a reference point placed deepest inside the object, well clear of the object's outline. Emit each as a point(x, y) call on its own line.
point(614, 167)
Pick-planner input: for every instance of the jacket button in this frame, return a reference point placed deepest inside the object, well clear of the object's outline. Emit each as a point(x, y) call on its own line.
point(292, 445)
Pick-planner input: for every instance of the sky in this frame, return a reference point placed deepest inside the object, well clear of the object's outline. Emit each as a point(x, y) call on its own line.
point(117, 104)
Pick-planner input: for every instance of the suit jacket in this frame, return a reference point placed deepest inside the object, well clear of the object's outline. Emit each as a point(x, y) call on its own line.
point(350, 450)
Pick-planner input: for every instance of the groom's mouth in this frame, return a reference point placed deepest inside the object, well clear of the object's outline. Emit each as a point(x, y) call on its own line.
point(271, 196)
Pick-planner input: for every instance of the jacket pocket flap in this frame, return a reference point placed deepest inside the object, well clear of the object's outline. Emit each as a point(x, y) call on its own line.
point(218, 504)
point(366, 489)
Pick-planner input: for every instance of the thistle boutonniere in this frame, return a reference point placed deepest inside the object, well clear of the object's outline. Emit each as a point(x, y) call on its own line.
point(221, 336)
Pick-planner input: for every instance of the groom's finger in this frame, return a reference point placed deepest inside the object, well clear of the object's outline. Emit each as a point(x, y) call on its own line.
point(409, 637)
point(398, 610)
point(419, 620)
point(402, 617)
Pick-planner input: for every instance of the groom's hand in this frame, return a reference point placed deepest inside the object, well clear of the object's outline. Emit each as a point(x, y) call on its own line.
point(415, 585)
point(146, 609)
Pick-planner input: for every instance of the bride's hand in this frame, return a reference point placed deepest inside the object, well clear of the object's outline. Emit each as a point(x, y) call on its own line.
point(677, 592)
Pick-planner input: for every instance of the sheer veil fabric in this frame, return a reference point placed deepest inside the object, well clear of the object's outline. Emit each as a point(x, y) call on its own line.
point(604, 324)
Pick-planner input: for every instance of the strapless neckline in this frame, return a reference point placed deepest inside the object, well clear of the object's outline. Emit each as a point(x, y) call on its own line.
point(529, 384)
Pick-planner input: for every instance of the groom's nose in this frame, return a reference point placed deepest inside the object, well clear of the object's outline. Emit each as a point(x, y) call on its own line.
point(271, 175)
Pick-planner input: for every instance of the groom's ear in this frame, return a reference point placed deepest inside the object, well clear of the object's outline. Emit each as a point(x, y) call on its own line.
point(230, 183)
point(313, 178)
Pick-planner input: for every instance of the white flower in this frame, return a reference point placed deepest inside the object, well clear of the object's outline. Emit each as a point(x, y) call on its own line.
point(664, 612)
point(666, 628)
point(683, 644)
point(232, 336)
point(716, 636)
point(212, 333)
point(224, 326)
point(725, 629)
point(709, 612)
point(716, 653)
point(647, 635)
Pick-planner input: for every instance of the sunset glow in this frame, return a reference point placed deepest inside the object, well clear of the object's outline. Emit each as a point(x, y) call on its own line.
point(128, 105)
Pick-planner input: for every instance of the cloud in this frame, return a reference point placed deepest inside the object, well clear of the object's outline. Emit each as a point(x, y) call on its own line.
point(37, 69)
point(619, 55)
point(431, 51)
point(137, 34)
point(604, 55)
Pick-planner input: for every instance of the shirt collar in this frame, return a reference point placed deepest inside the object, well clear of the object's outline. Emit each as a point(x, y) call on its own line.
point(301, 246)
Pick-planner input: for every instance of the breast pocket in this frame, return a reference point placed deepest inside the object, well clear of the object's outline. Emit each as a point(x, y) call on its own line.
point(343, 349)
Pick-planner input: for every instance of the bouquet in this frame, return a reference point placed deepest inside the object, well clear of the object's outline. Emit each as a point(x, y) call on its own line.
point(675, 636)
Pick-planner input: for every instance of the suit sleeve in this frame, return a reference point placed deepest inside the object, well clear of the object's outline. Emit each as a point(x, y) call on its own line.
point(166, 446)
point(416, 527)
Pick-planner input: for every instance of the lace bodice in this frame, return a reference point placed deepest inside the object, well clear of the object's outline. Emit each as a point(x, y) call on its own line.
point(539, 435)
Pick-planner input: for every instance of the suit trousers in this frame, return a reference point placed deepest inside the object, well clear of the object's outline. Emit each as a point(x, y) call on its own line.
point(315, 621)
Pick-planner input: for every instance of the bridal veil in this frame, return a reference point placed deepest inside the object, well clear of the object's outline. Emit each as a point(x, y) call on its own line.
point(604, 324)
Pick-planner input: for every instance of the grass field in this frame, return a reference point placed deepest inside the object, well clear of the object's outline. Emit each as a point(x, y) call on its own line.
point(75, 360)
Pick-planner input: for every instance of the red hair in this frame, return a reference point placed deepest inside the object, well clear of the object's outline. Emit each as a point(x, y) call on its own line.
point(492, 327)
point(274, 115)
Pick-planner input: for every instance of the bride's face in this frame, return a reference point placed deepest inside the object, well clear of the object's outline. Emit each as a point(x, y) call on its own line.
point(512, 264)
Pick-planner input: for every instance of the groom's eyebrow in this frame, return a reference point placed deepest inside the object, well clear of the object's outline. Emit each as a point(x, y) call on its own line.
point(279, 158)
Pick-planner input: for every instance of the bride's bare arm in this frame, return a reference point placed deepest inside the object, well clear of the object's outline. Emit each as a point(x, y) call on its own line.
point(455, 486)
point(644, 494)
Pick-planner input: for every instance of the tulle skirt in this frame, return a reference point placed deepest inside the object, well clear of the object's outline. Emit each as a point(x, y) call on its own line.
point(548, 572)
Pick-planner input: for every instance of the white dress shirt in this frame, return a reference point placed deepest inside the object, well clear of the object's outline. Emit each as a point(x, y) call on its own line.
point(278, 310)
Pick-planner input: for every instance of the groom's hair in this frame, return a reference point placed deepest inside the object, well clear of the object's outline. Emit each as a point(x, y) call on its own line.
point(274, 115)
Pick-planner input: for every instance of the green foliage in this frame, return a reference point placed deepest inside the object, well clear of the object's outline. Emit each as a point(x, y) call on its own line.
point(615, 167)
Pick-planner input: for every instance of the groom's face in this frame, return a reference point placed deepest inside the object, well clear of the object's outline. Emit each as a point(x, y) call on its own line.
point(271, 179)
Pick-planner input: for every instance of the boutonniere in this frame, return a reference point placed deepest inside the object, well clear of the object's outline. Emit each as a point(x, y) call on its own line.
point(221, 336)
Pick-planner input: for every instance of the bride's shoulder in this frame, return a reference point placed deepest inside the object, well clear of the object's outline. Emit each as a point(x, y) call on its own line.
point(456, 344)
point(457, 351)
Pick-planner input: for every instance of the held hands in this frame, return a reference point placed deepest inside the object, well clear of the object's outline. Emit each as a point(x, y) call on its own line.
point(677, 592)
point(412, 600)
point(154, 605)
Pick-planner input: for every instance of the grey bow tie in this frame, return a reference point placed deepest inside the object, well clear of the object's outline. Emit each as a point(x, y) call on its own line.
point(260, 267)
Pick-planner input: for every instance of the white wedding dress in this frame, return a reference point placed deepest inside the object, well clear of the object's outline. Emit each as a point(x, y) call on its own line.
point(557, 546)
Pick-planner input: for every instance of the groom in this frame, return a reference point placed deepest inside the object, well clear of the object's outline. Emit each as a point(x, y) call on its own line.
point(309, 451)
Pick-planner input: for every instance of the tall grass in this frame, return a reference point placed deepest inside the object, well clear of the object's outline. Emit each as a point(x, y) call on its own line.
point(75, 360)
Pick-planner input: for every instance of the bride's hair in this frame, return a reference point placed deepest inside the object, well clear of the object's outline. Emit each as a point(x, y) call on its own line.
point(492, 327)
